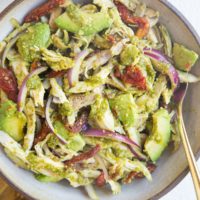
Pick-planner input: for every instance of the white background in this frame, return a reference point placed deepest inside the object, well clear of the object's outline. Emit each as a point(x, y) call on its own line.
point(191, 10)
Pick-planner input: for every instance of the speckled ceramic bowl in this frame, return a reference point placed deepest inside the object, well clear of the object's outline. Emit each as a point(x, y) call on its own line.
point(171, 167)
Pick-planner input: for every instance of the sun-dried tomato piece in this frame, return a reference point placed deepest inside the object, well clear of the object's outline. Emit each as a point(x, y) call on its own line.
point(134, 76)
point(78, 125)
point(151, 167)
point(101, 181)
point(34, 65)
point(111, 39)
point(117, 73)
point(45, 130)
point(8, 83)
point(42, 10)
point(83, 156)
point(128, 18)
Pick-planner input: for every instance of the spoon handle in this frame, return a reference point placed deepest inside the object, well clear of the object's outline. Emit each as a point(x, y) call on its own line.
point(189, 154)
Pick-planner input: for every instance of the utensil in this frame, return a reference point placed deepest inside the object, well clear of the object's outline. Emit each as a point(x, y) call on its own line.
point(178, 99)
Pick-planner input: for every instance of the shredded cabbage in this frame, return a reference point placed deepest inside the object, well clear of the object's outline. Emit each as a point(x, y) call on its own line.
point(57, 91)
point(31, 125)
point(55, 60)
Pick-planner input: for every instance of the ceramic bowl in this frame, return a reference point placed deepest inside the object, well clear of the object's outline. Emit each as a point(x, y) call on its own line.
point(171, 167)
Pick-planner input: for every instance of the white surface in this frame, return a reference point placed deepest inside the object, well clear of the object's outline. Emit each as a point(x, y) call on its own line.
point(184, 191)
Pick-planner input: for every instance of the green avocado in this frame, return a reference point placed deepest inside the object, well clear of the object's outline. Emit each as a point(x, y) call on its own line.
point(81, 22)
point(124, 106)
point(12, 121)
point(184, 58)
point(160, 136)
point(36, 37)
point(75, 140)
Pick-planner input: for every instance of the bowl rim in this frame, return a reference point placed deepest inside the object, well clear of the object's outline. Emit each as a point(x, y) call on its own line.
point(196, 36)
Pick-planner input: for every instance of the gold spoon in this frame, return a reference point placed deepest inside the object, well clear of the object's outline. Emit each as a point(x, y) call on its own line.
point(178, 99)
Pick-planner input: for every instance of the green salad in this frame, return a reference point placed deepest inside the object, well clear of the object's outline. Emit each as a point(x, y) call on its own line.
point(87, 92)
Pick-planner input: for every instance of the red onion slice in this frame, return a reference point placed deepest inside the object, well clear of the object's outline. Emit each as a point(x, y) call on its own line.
point(134, 147)
point(48, 120)
point(7, 49)
point(172, 73)
point(69, 76)
point(73, 73)
point(23, 89)
point(110, 135)
point(138, 154)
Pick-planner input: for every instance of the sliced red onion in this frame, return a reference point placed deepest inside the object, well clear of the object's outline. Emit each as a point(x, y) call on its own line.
point(73, 73)
point(48, 119)
point(11, 40)
point(110, 135)
point(134, 147)
point(161, 56)
point(23, 89)
point(69, 77)
point(137, 154)
point(172, 73)
point(7, 49)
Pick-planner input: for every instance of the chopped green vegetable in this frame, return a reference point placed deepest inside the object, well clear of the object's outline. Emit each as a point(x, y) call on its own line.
point(55, 60)
point(12, 121)
point(184, 58)
point(160, 136)
point(81, 22)
point(36, 37)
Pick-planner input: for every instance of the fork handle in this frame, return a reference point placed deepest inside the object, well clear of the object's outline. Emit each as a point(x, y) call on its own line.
point(189, 154)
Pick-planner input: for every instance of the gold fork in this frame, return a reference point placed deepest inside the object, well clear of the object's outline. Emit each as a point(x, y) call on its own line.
point(179, 98)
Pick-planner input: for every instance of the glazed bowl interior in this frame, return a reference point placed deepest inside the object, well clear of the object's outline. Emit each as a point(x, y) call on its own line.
point(171, 167)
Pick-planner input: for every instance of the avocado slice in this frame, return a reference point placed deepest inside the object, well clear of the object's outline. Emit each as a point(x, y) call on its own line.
point(37, 36)
point(160, 136)
point(184, 58)
point(11, 121)
point(81, 22)
point(75, 141)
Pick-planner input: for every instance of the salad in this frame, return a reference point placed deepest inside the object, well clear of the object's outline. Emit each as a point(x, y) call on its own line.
point(87, 92)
